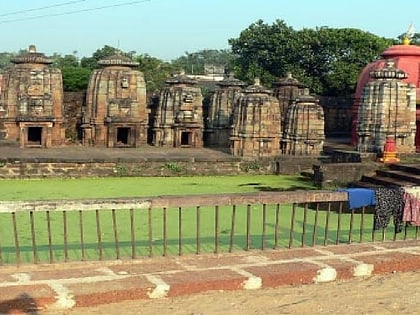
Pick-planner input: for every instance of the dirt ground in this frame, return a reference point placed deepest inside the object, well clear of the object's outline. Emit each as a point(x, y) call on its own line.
point(396, 293)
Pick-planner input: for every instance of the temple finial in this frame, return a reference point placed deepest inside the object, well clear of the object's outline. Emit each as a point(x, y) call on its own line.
point(409, 35)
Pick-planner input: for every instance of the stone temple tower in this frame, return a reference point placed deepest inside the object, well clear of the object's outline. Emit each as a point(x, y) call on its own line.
point(220, 112)
point(31, 108)
point(116, 113)
point(256, 124)
point(178, 121)
point(387, 109)
point(287, 89)
point(303, 132)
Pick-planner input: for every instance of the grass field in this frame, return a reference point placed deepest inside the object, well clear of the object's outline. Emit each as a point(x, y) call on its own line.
point(75, 234)
point(110, 187)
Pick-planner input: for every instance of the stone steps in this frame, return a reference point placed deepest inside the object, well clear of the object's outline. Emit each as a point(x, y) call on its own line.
point(403, 175)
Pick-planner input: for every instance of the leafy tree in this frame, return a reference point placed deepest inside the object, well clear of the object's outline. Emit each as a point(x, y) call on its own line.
point(328, 60)
point(75, 78)
point(5, 60)
point(66, 61)
point(155, 71)
point(106, 51)
point(263, 51)
point(193, 63)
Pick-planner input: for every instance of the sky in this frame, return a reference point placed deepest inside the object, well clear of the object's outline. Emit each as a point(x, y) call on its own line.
point(167, 29)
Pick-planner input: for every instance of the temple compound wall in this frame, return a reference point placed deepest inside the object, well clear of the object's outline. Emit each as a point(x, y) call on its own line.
point(387, 109)
point(178, 120)
point(31, 108)
point(116, 113)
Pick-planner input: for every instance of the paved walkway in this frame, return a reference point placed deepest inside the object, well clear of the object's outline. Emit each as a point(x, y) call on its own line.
point(62, 286)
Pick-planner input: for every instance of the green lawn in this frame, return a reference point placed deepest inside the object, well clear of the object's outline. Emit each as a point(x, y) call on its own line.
point(57, 244)
point(113, 187)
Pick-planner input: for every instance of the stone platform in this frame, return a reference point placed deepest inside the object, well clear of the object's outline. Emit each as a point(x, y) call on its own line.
point(32, 288)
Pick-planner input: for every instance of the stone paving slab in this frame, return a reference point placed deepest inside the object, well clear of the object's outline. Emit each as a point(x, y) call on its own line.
point(28, 288)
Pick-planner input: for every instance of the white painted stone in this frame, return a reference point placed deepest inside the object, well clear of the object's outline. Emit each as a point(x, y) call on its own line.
point(326, 274)
point(161, 287)
point(252, 283)
point(64, 299)
point(362, 270)
point(160, 291)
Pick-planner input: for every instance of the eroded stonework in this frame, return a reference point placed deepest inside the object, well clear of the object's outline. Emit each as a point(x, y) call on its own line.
point(256, 124)
point(387, 108)
point(287, 89)
point(178, 120)
point(116, 113)
point(220, 113)
point(303, 126)
point(31, 108)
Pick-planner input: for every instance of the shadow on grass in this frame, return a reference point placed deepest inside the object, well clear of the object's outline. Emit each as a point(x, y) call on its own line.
point(291, 188)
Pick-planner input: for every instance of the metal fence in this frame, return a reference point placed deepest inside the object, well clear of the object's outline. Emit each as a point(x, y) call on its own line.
point(61, 231)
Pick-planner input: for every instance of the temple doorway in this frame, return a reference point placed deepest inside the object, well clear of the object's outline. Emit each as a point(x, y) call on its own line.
point(123, 136)
point(34, 136)
point(185, 138)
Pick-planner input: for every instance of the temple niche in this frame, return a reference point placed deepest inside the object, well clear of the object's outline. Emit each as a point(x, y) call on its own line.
point(178, 120)
point(31, 108)
point(116, 113)
point(256, 124)
point(303, 132)
point(220, 112)
point(387, 108)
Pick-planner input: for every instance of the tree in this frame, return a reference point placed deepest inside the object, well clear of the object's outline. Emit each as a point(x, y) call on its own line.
point(75, 78)
point(155, 71)
point(5, 62)
point(193, 63)
point(106, 51)
point(328, 60)
point(66, 61)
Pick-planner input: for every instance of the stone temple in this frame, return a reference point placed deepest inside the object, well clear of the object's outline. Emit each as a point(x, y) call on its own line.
point(116, 113)
point(406, 57)
point(287, 89)
point(303, 132)
point(256, 124)
point(220, 112)
point(31, 108)
point(178, 120)
point(387, 109)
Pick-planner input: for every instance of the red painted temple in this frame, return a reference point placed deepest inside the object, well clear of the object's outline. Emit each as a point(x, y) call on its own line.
point(406, 58)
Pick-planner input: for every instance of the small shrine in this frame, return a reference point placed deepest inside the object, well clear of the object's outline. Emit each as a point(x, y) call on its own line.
point(31, 108)
point(218, 126)
point(178, 120)
point(303, 132)
point(287, 89)
point(387, 108)
point(116, 113)
point(406, 57)
point(256, 124)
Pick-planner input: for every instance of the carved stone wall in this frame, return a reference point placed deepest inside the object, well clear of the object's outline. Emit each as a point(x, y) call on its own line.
point(304, 127)
point(116, 112)
point(257, 124)
point(31, 108)
point(387, 108)
point(178, 120)
point(286, 90)
point(223, 102)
